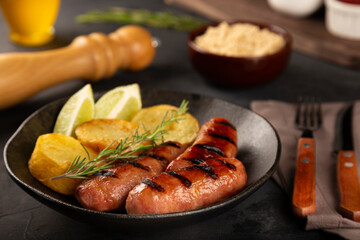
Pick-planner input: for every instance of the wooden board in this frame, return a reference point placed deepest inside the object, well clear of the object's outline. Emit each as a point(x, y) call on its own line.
point(309, 34)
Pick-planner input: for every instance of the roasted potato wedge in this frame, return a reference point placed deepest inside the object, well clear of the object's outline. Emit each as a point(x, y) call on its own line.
point(184, 131)
point(98, 134)
point(52, 156)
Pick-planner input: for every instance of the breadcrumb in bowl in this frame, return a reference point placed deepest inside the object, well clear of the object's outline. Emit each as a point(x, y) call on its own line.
point(252, 54)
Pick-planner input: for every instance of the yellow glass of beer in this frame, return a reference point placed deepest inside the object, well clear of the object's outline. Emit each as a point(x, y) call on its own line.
point(31, 22)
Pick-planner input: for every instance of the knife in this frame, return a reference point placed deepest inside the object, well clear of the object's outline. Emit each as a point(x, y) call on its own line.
point(347, 177)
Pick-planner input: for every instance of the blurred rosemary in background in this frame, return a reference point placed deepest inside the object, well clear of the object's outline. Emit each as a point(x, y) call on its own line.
point(162, 19)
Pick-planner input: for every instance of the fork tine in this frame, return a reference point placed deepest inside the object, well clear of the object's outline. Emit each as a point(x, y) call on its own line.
point(306, 112)
point(298, 111)
point(318, 113)
point(312, 112)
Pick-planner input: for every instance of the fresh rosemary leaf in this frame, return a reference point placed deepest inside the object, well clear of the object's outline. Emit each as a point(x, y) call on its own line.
point(159, 19)
point(127, 149)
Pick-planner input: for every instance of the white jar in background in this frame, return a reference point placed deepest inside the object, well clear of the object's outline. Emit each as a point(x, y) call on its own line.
point(343, 19)
point(296, 8)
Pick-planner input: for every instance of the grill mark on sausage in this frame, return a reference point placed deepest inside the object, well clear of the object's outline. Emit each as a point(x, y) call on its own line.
point(226, 124)
point(211, 149)
point(206, 169)
point(138, 165)
point(153, 185)
point(229, 165)
point(172, 144)
point(224, 137)
point(183, 179)
point(194, 160)
point(105, 173)
point(153, 156)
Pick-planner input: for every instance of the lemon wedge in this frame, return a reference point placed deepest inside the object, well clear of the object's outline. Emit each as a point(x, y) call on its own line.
point(78, 109)
point(119, 103)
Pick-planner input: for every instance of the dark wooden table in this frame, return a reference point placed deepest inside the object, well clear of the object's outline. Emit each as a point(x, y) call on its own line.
point(265, 214)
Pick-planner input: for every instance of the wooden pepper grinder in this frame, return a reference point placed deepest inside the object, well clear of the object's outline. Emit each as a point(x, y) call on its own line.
point(89, 57)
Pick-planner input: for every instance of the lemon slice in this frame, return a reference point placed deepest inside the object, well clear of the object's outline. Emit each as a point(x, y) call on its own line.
point(78, 109)
point(119, 103)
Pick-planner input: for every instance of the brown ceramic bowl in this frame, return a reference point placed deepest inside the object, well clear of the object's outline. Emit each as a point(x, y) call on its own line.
point(239, 71)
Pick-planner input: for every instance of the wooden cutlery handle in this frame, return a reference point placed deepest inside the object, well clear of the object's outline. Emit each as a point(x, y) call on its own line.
point(304, 185)
point(348, 182)
point(89, 57)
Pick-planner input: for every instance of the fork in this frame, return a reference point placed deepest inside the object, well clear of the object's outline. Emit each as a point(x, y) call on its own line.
point(308, 119)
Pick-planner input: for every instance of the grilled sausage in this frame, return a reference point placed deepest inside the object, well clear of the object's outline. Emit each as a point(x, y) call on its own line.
point(216, 138)
point(189, 188)
point(108, 190)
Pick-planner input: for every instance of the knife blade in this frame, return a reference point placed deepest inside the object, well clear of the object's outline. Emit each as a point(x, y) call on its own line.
point(347, 177)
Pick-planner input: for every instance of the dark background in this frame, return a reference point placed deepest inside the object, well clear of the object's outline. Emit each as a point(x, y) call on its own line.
point(264, 215)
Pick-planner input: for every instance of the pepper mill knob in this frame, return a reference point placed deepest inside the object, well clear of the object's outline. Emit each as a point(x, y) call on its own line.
point(91, 57)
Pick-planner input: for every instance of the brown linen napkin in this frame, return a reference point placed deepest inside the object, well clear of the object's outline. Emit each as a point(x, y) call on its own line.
point(282, 116)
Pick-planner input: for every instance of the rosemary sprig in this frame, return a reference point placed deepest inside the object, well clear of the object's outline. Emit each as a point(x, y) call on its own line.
point(160, 19)
point(127, 149)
